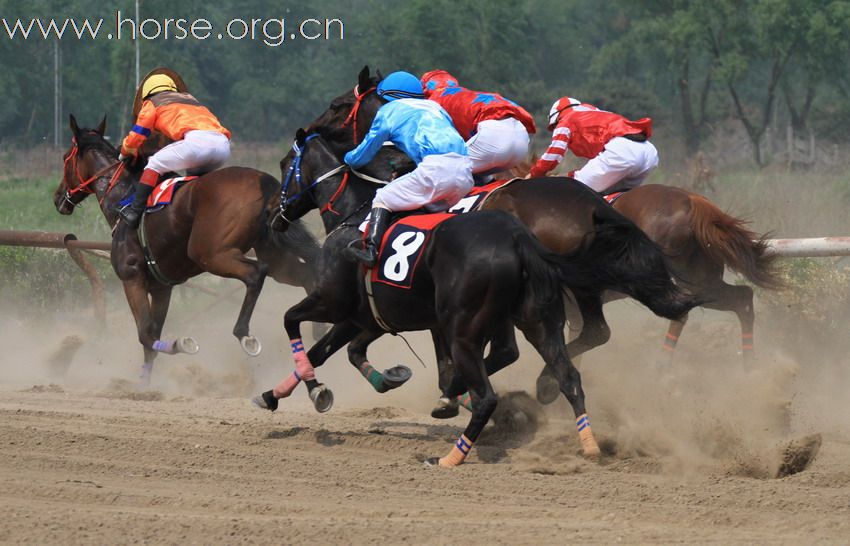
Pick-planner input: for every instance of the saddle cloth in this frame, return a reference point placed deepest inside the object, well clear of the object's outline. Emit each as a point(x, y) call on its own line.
point(402, 248)
point(163, 193)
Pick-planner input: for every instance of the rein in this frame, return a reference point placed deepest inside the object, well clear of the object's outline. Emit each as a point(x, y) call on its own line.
point(352, 116)
point(83, 185)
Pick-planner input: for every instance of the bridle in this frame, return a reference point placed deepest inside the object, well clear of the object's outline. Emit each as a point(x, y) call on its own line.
point(83, 185)
point(293, 173)
point(352, 116)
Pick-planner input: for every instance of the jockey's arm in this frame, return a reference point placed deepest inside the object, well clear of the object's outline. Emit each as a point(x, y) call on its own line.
point(371, 145)
point(140, 131)
point(554, 154)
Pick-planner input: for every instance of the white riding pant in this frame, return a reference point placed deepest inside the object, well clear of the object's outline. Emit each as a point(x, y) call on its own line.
point(498, 145)
point(199, 151)
point(439, 182)
point(622, 165)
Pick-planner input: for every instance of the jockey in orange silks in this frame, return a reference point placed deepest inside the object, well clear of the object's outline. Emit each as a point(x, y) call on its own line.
point(201, 143)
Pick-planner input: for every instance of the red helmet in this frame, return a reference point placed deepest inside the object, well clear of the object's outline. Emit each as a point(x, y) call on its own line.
point(560, 105)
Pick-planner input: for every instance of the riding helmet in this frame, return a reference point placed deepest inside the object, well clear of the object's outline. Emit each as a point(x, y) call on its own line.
point(156, 84)
point(560, 105)
point(400, 85)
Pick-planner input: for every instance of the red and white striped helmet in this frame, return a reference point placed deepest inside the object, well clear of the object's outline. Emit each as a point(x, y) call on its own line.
point(560, 105)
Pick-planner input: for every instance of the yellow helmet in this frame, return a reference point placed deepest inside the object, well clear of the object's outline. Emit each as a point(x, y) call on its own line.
point(156, 84)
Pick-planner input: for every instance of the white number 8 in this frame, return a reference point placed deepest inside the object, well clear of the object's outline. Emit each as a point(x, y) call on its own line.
point(405, 245)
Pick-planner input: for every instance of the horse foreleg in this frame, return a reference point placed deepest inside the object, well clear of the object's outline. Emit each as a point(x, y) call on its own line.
point(137, 297)
point(310, 308)
point(390, 379)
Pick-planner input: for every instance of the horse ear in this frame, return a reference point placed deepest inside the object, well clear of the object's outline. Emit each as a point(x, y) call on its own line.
point(101, 128)
point(379, 75)
point(75, 129)
point(363, 80)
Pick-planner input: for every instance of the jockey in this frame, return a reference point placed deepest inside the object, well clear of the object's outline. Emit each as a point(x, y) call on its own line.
point(200, 144)
point(423, 130)
point(619, 150)
point(496, 130)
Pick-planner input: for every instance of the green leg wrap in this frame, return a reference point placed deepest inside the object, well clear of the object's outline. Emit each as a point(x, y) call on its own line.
point(373, 376)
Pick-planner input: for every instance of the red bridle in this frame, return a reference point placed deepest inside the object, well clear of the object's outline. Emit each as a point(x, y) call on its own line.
point(358, 100)
point(84, 184)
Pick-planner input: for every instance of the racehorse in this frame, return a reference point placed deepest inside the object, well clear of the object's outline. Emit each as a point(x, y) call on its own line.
point(477, 272)
point(209, 226)
point(558, 215)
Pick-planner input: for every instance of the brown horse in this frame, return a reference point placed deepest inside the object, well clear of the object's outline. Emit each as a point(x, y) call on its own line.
point(700, 239)
point(209, 226)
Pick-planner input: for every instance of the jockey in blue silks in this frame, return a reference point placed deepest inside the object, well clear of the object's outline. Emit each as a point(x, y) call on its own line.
point(423, 130)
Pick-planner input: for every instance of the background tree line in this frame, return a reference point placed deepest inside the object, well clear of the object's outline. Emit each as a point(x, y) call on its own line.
point(694, 66)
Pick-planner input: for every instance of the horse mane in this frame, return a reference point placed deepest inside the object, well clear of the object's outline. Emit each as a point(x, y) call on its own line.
point(89, 139)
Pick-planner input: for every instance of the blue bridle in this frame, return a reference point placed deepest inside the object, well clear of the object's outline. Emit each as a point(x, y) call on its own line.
point(295, 171)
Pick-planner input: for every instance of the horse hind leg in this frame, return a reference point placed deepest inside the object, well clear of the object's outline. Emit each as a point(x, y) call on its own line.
point(671, 339)
point(738, 299)
point(547, 337)
point(232, 264)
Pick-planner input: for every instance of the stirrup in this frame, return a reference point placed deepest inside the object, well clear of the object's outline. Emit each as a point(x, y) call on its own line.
point(367, 256)
point(131, 217)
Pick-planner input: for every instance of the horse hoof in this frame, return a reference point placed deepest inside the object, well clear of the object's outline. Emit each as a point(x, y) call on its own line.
point(251, 345)
point(547, 389)
point(265, 401)
point(445, 409)
point(432, 462)
point(396, 376)
point(323, 398)
point(187, 345)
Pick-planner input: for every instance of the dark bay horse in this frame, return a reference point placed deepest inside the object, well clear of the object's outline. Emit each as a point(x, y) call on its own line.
point(477, 273)
point(210, 225)
point(558, 213)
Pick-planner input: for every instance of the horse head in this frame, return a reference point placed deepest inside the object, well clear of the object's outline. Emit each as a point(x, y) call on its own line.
point(86, 161)
point(349, 116)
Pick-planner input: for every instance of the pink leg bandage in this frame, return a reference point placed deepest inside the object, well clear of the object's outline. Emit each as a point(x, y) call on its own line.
point(303, 371)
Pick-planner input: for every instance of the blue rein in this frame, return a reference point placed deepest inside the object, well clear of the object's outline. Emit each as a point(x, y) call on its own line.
point(295, 170)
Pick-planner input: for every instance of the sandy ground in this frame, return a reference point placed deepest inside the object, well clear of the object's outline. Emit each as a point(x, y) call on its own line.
point(692, 451)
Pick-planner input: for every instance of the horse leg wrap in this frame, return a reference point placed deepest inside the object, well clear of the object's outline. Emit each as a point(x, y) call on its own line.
point(302, 362)
point(585, 435)
point(285, 387)
point(465, 400)
point(670, 342)
point(167, 346)
point(373, 376)
point(747, 344)
point(458, 453)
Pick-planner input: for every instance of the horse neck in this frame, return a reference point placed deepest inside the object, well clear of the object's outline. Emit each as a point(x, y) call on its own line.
point(349, 203)
point(121, 190)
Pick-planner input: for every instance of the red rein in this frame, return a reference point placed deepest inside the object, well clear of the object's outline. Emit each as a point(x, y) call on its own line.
point(358, 99)
point(84, 184)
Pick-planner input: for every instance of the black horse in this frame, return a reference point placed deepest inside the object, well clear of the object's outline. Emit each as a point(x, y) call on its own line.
point(478, 274)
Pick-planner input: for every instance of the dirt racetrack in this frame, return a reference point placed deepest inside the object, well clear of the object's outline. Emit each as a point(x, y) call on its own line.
point(691, 454)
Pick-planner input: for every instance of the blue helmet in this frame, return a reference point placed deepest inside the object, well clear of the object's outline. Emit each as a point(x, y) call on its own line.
point(400, 85)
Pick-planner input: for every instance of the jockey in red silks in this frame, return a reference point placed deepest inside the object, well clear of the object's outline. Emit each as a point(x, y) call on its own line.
point(619, 150)
point(201, 143)
point(495, 129)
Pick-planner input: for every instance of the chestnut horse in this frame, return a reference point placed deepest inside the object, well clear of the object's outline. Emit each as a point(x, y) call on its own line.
point(699, 239)
point(209, 226)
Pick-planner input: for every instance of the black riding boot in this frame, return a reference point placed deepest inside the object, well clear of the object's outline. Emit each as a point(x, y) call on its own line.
point(132, 214)
point(379, 218)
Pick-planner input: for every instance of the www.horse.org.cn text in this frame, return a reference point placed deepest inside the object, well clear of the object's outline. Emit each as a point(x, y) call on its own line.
point(272, 32)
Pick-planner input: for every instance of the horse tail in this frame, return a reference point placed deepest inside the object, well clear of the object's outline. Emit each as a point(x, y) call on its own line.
point(618, 256)
point(542, 268)
point(726, 240)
